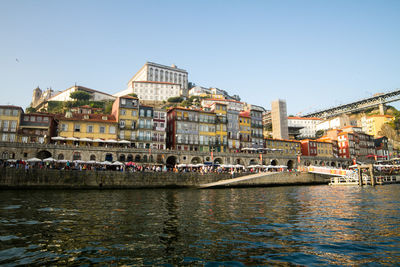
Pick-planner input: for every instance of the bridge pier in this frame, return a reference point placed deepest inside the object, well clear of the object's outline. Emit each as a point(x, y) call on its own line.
point(382, 109)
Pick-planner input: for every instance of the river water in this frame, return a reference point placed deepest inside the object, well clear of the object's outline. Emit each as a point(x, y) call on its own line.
point(294, 225)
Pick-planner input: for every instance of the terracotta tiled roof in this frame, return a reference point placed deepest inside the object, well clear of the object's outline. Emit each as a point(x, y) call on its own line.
point(10, 106)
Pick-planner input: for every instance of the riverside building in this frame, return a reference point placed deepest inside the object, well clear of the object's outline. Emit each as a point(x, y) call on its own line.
point(37, 128)
point(183, 129)
point(257, 138)
point(245, 129)
point(10, 117)
point(126, 111)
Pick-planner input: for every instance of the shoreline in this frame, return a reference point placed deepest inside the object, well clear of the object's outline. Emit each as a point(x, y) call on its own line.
point(81, 180)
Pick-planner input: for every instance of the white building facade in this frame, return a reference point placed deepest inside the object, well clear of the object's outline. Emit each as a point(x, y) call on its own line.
point(153, 72)
point(309, 126)
point(152, 91)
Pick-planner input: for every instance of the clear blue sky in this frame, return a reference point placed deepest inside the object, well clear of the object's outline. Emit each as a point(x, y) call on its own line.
point(313, 54)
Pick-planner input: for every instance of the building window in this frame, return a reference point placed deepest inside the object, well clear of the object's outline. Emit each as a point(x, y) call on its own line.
point(90, 128)
point(148, 113)
point(77, 127)
point(102, 129)
point(64, 127)
point(134, 113)
point(76, 156)
point(123, 112)
point(123, 101)
point(112, 129)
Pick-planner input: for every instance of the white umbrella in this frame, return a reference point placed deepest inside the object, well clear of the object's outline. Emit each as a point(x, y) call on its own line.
point(34, 160)
point(79, 161)
point(85, 140)
point(11, 160)
point(238, 166)
point(199, 165)
point(105, 163)
point(91, 162)
point(62, 161)
point(58, 138)
point(124, 142)
point(71, 139)
point(49, 160)
point(117, 163)
point(111, 141)
point(181, 165)
point(98, 140)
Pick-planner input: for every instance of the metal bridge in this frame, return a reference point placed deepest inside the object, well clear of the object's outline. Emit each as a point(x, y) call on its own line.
point(376, 101)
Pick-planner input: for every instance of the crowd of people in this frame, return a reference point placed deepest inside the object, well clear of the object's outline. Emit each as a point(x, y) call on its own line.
point(137, 167)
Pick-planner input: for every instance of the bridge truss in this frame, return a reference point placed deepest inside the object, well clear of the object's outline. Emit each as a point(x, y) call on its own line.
point(375, 101)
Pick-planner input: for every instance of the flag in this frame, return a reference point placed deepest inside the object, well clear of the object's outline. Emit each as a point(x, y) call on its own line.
point(375, 157)
point(212, 156)
point(354, 161)
point(261, 163)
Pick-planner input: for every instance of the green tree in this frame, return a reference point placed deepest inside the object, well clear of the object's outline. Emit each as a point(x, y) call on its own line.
point(133, 94)
point(30, 110)
point(175, 99)
point(80, 96)
point(319, 133)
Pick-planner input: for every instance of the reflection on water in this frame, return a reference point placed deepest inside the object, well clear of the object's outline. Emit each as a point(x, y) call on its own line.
point(257, 226)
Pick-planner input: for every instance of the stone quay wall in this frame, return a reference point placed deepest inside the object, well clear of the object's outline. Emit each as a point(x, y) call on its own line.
point(11, 178)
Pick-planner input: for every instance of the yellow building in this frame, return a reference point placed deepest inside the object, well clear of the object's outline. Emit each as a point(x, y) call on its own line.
point(373, 124)
point(91, 126)
point(282, 147)
point(126, 111)
point(324, 149)
point(207, 127)
point(221, 133)
point(10, 117)
point(245, 129)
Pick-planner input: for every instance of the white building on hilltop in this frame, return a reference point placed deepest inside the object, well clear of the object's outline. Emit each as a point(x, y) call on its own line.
point(157, 74)
point(152, 91)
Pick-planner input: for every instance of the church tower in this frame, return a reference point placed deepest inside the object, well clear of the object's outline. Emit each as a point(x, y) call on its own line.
point(37, 95)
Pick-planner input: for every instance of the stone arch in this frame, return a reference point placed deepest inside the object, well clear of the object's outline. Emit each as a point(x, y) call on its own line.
point(160, 159)
point(129, 158)
point(137, 158)
point(171, 161)
point(145, 158)
point(108, 157)
point(252, 162)
point(321, 163)
point(43, 154)
point(290, 164)
point(151, 158)
point(239, 161)
point(307, 163)
point(4, 155)
point(333, 164)
point(195, 160)
point(76, 155)
point(60, 156)
point(274, 162)
point(122, 158)
point(93, 157)
point(218, 161)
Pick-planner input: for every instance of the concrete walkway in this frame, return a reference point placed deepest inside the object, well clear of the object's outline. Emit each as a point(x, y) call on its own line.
point(239, 179)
